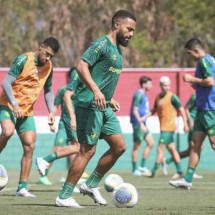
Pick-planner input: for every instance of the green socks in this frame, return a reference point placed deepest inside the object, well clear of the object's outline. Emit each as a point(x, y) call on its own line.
point(169, 160)
point(178, 168)
point(143, 162)
point(22, 184)
point(66, 191)
point(189, 174)
point(156, 166)
point(50, 158)
point(134, 166)
point(94, 179)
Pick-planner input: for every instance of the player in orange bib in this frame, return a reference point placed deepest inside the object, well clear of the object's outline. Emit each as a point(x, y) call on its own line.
point(166, 105)
point(29, 74)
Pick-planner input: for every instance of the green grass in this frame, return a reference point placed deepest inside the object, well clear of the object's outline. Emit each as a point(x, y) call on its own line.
point(155, 197)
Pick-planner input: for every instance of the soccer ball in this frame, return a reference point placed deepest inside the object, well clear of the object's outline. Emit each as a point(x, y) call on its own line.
point(3, 177)
point(125, 196)
point(111, 181)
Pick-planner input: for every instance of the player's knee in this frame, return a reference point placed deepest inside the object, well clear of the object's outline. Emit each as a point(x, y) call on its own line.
point(7, 133)
point(213, 146)
point(120, 150)
point(29, 148)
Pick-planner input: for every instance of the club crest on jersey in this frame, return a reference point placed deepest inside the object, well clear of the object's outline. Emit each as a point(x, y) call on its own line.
point(36, 73)
point(94, 135)
point(114, 57)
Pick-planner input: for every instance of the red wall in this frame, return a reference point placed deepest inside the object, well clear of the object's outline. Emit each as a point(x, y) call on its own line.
point(128, 84)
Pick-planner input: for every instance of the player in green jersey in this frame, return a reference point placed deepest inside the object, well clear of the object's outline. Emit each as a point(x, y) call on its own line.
point(99, 68)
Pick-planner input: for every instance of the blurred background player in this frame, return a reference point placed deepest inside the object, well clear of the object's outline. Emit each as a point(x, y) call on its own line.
point(28, 75)
point(139, 108)
point(166, 105)
point(190, 109)
point(204, 124)
point(61, 140)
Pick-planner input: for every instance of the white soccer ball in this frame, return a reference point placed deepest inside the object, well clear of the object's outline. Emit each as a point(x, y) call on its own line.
point(111, 181)
point(3, 177)
point(125, 196)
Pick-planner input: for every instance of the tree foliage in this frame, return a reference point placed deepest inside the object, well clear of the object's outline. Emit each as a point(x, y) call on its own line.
point(162, 28)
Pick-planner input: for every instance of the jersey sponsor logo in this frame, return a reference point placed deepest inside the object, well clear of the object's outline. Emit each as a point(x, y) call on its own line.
point(101, 44)
point(94, 135)
point(115, 70)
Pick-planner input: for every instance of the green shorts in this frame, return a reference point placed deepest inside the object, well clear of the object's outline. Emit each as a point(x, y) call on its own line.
point(190, 134)
point(61, 137)
point(71, 135)
point(94, 124)
point(25, 124)
point(205, 122)
point(166, 137)
point(138, 134)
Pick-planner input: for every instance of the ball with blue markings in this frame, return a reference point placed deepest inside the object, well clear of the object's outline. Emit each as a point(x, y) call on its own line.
point(3, 177)
point(125, 196)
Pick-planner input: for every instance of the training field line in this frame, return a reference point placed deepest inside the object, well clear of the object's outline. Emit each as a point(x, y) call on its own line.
point(15, 188)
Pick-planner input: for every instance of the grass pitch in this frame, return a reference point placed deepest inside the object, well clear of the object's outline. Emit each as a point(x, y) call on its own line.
point(155, 197)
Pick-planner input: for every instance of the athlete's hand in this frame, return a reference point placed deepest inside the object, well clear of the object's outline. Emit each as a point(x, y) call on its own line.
point(186, 127)
point(18, 113)
point(187, 78)
point(100, 100)
point(115, 105)
point(51, 118)
point(52, 128)
point(143, 127)
point(73, 122)
point(191, 124)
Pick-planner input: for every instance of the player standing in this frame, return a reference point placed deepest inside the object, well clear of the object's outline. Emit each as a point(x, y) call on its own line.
point(204, 124)
point(139, 108)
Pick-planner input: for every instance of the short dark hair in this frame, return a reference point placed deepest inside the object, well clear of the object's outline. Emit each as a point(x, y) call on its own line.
point(72, 69)
point(122, 14)
point(52, 43)
point(144, 79)
point(194, 43)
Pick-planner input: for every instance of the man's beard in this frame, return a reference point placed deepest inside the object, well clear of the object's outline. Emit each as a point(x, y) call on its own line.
point(121, 39)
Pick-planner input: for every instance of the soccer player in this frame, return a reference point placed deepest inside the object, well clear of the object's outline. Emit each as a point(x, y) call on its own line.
point(63, 145)
point(204, 124)
point(190, 109)
point(99, 68)
point(166, 105)
point(28, 75)
point(140, 107)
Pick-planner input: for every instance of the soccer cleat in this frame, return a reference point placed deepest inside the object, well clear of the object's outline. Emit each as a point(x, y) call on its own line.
point(143, 169)
point(70, 202)
point(24, 193)
point(181, 183)
point(148, 174)
point(44, 180)
point(177, 176)
point(196, 176)
point(93, 193)
point(137, 173)
point(165, 167)
point(42, 165)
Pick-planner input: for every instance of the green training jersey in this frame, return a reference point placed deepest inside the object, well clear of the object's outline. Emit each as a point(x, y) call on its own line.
point(105, 65)
point(59, 101)
point(191, 104)
point(74, 83)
